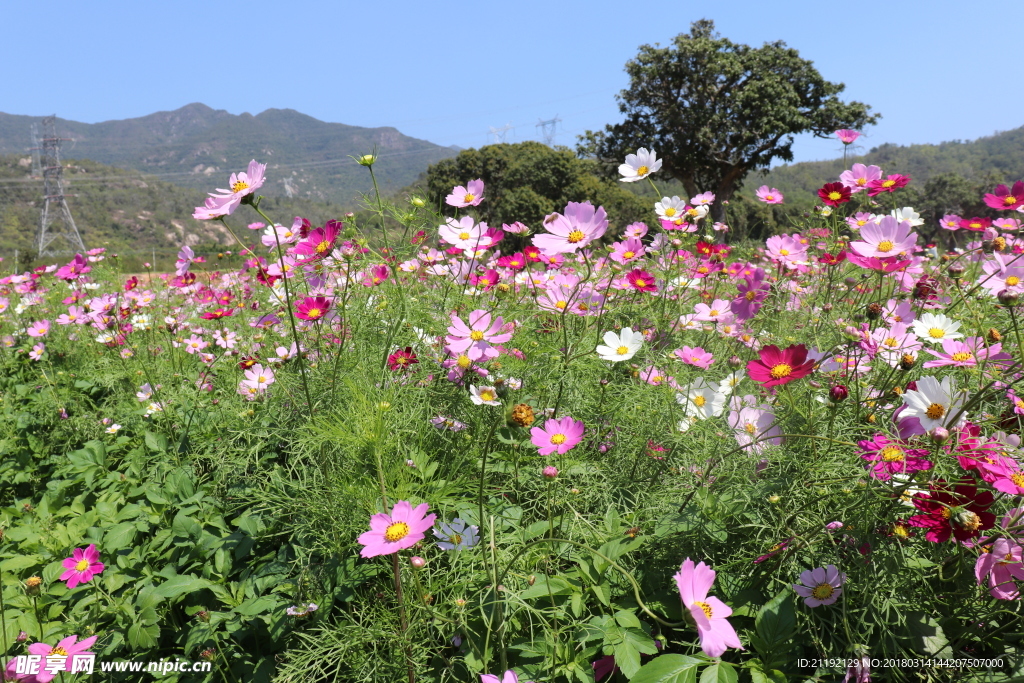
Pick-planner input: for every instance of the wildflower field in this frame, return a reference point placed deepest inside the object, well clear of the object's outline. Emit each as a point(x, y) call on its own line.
point(422, 448)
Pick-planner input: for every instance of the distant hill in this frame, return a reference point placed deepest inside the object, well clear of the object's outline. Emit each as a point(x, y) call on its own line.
point(199, 147)
point(140, 218)
point(998, 157)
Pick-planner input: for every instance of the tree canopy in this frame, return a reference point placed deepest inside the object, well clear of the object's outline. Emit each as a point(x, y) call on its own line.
point(526, 181)
point(715, 110)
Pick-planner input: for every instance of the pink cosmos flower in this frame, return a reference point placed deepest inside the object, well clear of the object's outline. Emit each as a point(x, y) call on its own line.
point(695, 356)
point(259, 377)
point(65, 648)
point(847, 136)
point(703, 199)
point(885, 239)
point(40, 328)
point(820, 586)
point(578, 226)
point(558, 436)
point(195, 344)
point(786, 248)
point(627, 250)
point(1007, 199)
point(750, 295)
point(318, 243)
point(403, 528)
point(777, 366)
point(886, 265)
point(641, 280)
point(892, 457)
point(312, 308)
point(755, 428)
point(769, 195)
point(240, 186)
point(508, 677)
point(376, 276)
point(83, 564)
point(966, 353)
point(516, 228)
point(859, 176)
point(481, 332)
point(37, 351)
point(1002, 564)
point(470, 195)
point(950, 221)
point(709, 613)
point(76, 268)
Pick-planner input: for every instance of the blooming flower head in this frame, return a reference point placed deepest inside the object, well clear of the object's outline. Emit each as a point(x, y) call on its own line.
point(695, 356)
point(240, 185)
point(834, 194)
point(820, 586)
point(83, 564)
point(933, 403)
point(302, 610)
point(960, 512)
point(312, 308)
point(470, 195)
point(886, 238)
point(769, 195)
point(319, 243)
point(477, 336)
point(1003, 565)
point(578, 225)
point(936, 327)
point(402, 359)
point(638, 166)
point(622, 346)
point(464, 233)
point(641, 280)
point(1005, 198)
point(557, 436)
point(891, 183)
point(892, 457)
point(670, 207)
point(777, 366)
point(403, 528)
point(708, 612)
point(66, 649)
point(457, 536)
point(484, 396)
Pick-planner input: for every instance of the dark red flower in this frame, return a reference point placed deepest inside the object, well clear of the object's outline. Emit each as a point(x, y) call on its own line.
point(961, 513)
point(402, 359)
point(131, 283)
point(777, 366)
point(830, 260)
point(834, 194)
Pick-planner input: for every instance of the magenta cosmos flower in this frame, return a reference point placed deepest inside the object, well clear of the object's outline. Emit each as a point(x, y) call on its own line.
point(470, 195)
point(313, 308)
point(558, 436)
point(769, 195)
point(402, 529)
point(1002, 564)
point(892, 457)
point(476, 336)
point(847, 136)
point(641, 280)
point(320, 242)
point(780, 366)
point(886, 238)
point(1005, 198)
point(578, 226)
point(83, 564)
point(709, 613)
point(820, 586)
point(890, 184)
point(508, 677)
point(65, 648)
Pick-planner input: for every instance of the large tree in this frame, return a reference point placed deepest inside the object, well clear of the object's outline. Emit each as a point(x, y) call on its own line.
point(714, 111)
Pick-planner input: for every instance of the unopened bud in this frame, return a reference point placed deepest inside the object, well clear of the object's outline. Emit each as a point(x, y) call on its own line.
point(32, 585)
point(874, 311)
point(1008, 297)
point(417, 202)
point(838, 393)
point(22, 637)
point(773, 499)
point(939, 435)
point(850, 281)
point(603, 382)
point(955, 270)
point(417, 562)
point(734, 362)
point(907, 361)
point(208, 654)
point(550, 472)
point(367, 160)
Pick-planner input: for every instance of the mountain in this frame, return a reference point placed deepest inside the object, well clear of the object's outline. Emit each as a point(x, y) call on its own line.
point(199, 147)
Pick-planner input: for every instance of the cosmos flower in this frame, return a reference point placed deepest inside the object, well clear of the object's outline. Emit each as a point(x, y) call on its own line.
point(240, 185)
point(708, 612)
point(638, 166)
point(960, 512)
point(470, 195)
point(885, 239)
point(847, 136)
point(83, 564)
point(892, 457)
point(777, 366)
point(1005, 198)
point(834, 194)
point(578, 225)
point(769, 195)
point(66, 648)
point(457, 536)
point(403, 528)
point(557, 436)
point(312, 308)
point(622, 346)
point(890, 184)
point(484, 396)
point(402, 359)
point(820, 586)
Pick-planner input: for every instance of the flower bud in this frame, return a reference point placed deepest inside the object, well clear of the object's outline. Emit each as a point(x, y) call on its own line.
point(907, 361)
point(367, 160)
point(417, 561)
point(939, 435)
point(32, 585)
point(734, 362)
point(22, 637)
point(838, 393)
point(1008, 297)
point(873, 311)
point(208, 655)
point(773, 499)
point(955, 270)
point(993, 336)
point(417, 202)
point(850, 281)
point(550, 472)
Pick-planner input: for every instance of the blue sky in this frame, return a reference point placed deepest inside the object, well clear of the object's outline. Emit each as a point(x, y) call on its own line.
point(447, 72)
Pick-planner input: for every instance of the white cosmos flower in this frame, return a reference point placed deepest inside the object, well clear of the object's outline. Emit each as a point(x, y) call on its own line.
point(907, 214)
point(484, 396)
point(933, 403)
point(638, 166)
point(670, 207)
point(701, 400)
point(936, 328)
point(731, 381)
point(622, 346)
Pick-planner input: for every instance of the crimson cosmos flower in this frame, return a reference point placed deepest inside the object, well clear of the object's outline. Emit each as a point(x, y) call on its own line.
point(780, 366)
point(890, 184)
point(961, 512)
point(1007, 199)
point(402, 359)
point(834, 194)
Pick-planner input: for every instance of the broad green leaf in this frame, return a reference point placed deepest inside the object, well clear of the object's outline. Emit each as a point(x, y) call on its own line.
point(179, 585)
point(720, 672)
point(670, 668)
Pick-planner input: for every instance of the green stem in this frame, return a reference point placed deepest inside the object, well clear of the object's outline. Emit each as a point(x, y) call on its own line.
point(410, 666)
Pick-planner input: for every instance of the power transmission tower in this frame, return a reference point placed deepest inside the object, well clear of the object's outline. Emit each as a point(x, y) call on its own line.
point(499, 133)
point(548, 128)
point(55, 206)
point(36, 167)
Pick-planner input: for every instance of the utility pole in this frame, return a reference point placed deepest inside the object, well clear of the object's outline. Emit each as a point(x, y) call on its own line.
point(499, 133)
point(55, 205)
point(37, 171)
point(547, 129)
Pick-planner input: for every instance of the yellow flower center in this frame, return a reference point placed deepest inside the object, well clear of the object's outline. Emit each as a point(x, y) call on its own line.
point(643, 170)
point(81, 565)
point(261, 380)
point(935, 411)
point(464, 361)
point(703, 270)
point(560, 305)
point(313, 313)
point(323, 246)
point(396, 532)
point(891, 342)
point(455, 538)
point(885, 246)
point(769, 197)
point(630, 254)
point(781, 370)
point(822, 591)
point(476, 335)
point(239, 186)
point(670, 211)
point(835, 196)
point(622, 350)
point(888, 183)
point(892, 454)
point(1009, 199)
point(641, 283)
point(469, 198)
point(961, 357)
point(705, 607)
point(57, 651)
point(699, 401)
point(750, 428)
point(861, 182)
point(901, 531)
point(1012, 280)
point(575, 236)
point(750, 295)
point(784, 252)
point(558, 439)
point(487, 395)
point(463, 235)
point(936, 333)
point(1018, 479)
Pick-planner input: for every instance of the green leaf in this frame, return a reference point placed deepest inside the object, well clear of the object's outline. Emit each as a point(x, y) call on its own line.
point(720, 672)
point(627, 658)
point(143, 637)
point(927, 635)
point(546, 585)
point(156, 442)
point(776, 623)
point(119, 536)
point(180, 585)
point(670, 668)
